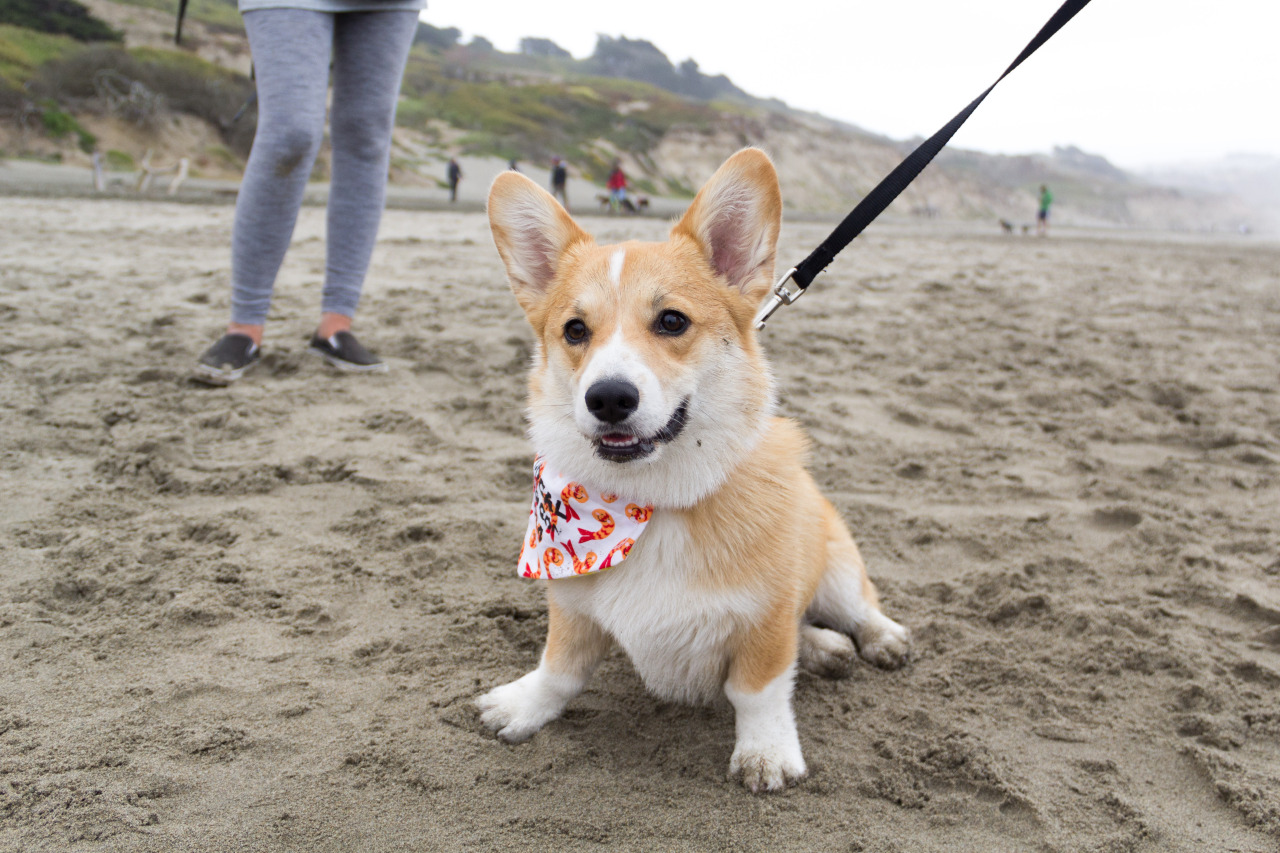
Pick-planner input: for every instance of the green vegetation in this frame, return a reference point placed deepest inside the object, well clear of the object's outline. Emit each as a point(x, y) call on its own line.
point(23, 51)
point(140, 86)
point(529, 106)
point(218, 14)
point(224, 155)
point(537, 115)
point(58, 123)
point(61, 17)
point(120, 161)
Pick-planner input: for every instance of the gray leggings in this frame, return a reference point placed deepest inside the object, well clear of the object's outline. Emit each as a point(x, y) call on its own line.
point(291, 49)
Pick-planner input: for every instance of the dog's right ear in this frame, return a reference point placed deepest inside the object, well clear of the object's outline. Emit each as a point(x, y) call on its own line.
point(735, 219)
point(532, 232)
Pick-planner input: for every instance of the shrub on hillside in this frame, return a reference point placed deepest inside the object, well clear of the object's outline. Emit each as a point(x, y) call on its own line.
point(58, 123)
point(65, 17)
point(11, 100)
point(23, 51)
point(216, 15)
point(143, 85)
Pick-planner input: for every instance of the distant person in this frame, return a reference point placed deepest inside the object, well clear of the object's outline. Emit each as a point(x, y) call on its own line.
point(293, 46)
point(1042, 216)
point(455, 174)
point(513, 165)
point(617, 186)
point(559, 178)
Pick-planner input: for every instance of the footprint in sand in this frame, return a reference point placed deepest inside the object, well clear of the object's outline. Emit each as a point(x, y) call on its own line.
point(1115, 518)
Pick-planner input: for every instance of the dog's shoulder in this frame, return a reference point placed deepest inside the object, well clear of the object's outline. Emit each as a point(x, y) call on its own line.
point(771, 487)
point(787, 441)
point(778, 462)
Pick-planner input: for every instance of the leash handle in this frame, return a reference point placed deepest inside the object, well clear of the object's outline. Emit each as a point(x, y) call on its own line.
point(874, 203)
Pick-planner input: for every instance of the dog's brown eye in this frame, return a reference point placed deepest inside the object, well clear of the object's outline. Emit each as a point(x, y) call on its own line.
point(575, 331)
point(672, 323)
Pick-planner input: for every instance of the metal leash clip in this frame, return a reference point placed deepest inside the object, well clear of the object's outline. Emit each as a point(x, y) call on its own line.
point(781, 296)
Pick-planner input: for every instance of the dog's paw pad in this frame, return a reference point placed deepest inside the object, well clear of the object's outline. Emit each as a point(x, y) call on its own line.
point(762, 771)
point(827, 653)
point(885, 643)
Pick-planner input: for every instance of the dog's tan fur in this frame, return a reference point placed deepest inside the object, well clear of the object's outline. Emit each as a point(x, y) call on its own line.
point(763, 557)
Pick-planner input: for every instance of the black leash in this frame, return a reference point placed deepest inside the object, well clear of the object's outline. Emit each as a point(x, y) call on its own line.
point(253, 96)
point(182, 13)
point(874, 203)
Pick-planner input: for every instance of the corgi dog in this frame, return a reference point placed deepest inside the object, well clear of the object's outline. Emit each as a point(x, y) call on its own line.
point(650, 388)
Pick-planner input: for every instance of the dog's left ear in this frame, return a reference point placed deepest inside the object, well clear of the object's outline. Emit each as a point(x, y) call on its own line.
point(735, 219)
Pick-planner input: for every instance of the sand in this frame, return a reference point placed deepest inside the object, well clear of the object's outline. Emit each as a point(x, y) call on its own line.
point(256, 618)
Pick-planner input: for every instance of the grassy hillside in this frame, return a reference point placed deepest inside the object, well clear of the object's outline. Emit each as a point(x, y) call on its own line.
point(23, 51)
point(60, 17)
point(505, 105)
point(219, 14)
point(516, 107)
point(52, 85)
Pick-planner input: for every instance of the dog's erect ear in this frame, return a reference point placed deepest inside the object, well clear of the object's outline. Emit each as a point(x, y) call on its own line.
point(531, 231)
point(735, 219)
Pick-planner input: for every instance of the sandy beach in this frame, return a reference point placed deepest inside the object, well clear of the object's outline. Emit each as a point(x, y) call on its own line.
point(255, 618)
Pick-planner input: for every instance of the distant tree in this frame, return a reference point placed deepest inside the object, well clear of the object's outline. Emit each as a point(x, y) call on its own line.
point(636, 59)
point(480, 44)
point(543, 47)
point(719, 86)
point(64, 17)
point(432, 37)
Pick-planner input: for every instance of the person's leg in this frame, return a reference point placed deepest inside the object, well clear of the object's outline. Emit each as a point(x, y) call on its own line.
point(291, 49)
point(369, 54)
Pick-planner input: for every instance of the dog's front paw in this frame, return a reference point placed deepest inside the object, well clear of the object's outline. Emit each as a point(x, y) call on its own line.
point(884, 642)
point(767, 768)
point(517, 710)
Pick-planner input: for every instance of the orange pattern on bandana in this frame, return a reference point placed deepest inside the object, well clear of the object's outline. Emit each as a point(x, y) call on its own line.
point(572, 532)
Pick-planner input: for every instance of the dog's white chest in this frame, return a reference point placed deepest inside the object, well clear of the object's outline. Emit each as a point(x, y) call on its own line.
point(657, 606)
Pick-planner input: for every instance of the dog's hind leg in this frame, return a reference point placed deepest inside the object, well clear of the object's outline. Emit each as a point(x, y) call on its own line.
point(827, 653)
point(575, 647)
point(846, 600)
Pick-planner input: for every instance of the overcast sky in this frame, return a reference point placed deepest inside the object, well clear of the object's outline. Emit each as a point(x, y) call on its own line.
point(1139, 81)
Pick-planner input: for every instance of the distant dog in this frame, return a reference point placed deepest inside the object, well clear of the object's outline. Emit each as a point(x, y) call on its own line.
point(672, 511)
point(1006, 226)
point(641, 203)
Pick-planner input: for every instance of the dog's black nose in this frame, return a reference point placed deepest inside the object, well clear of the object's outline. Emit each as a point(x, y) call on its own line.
point(612, 400)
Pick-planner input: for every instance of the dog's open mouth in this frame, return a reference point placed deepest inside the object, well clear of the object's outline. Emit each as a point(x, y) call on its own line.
point(624, 446)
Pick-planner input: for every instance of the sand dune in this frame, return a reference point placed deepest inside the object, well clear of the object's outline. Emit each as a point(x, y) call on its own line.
point(255, 618)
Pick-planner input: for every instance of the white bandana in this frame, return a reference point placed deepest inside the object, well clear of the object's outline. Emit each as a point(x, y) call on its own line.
point(555, 546)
